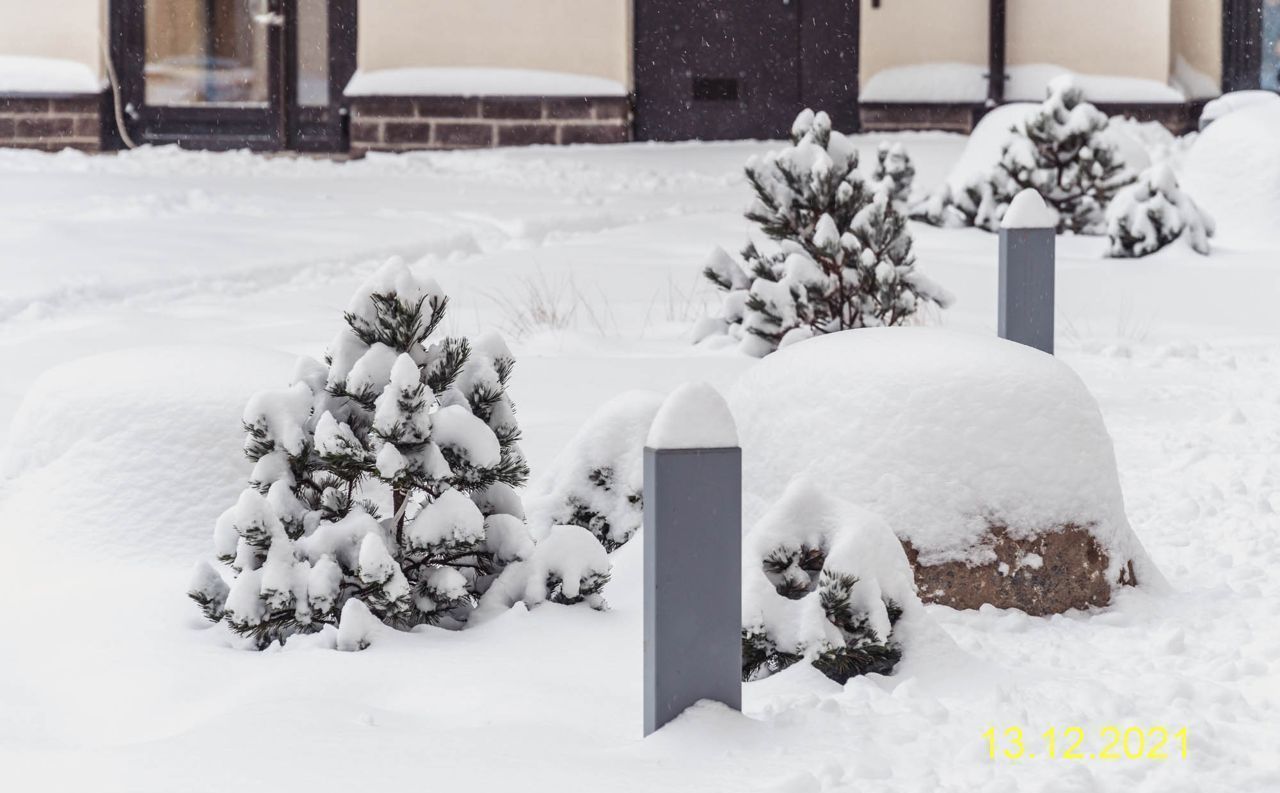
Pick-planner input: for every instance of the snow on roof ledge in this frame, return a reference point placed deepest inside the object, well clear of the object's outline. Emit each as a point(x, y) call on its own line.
point(469, 81)
point(1028, 211)
point(695, 416)
point(21, 74)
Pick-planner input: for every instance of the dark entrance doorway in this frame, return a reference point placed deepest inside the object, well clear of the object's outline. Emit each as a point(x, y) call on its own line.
point(727, 69)
point(221, 74)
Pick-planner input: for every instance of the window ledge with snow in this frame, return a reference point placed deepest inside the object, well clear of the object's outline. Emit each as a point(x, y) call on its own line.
point(20, 74)
point(464, 81)
point(950, 82)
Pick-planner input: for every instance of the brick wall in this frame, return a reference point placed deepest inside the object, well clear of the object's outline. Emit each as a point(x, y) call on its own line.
point(51, 123)
point(401, 123)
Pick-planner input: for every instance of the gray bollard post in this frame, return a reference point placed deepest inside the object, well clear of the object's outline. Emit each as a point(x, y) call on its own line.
point(692, 557)
point(1027, 239)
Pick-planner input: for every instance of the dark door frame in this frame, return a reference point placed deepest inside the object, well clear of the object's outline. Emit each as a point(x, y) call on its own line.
point(1241, 44)
point(282, 124)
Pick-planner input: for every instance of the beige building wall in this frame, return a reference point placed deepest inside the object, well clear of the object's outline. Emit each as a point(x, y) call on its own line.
point(906, 32)
point(67, 29)
point(1196, 35)
point(590, 37)
point(1128, 38)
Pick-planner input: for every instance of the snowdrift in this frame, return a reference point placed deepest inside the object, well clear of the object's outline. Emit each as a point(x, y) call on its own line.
point(1233, 171)
point(983, 455)
point(133, 454)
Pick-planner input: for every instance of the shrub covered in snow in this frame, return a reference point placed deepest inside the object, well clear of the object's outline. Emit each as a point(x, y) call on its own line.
point(568, 566)
point(1062, 150)
point(597, 481)
point(1153, 212)
point(843, 255)
point(384, 480)
point(826, 582)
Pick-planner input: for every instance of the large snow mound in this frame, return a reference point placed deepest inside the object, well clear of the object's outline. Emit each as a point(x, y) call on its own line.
point(470, 81)
point(943, 434)
point(1233, 171)
point(134, 453)
point(22, 74)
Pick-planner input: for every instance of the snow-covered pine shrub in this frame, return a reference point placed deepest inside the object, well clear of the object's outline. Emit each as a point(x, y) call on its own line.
point(825, 582)
point(386, 476)
point(843, 252)
point(894, 168)
point(568, 566)
point(1153, 212)
point(1060, 149)
point(598, 479)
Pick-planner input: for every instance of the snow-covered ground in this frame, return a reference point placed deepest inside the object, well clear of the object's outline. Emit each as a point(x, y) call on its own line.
point(197, 277)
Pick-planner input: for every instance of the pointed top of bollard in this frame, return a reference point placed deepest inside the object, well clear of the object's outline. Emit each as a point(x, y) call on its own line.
point(694, 416)
point(1028, 211)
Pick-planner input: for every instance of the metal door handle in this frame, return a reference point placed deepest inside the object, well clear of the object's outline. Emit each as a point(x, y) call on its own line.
point(272, 18)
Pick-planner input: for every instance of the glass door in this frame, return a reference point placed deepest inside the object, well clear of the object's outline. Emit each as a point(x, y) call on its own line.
point(208, 53)
point(1270, 77)
point(230, 74)
point(204, 73)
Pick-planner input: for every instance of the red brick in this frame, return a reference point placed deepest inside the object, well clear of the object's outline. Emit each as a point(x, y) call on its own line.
point(526, 134)
point(462, 135)
point(567, 107)
point(89, 103)
point(88, 126)
point(46, 127)
point(366, 132)
point(618, 109)
point(448, 106)
point(384, 106)
point(594, 133)
point(511, 107)
point(22, 104)
point(407, 132)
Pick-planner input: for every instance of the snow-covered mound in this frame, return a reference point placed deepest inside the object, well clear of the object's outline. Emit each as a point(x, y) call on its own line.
point(1233, 101)
point(1233, 171)
point(134, 453)
point(956, 440)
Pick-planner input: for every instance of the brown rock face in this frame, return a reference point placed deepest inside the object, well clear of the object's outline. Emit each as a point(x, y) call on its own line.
point(1046, 574)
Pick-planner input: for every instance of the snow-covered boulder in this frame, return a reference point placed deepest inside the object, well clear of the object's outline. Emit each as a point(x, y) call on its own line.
point(133, 453)
point(989, 460)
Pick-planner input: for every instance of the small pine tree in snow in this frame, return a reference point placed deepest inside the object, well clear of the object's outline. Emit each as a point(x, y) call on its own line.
point(842, 253)
point(598, 479)
point(1062, 151)
point(1153, 212)
point(385, 477)
point(832, 585)
point(895, 170)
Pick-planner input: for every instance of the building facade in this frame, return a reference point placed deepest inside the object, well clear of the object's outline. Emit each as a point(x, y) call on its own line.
point(361, 75)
